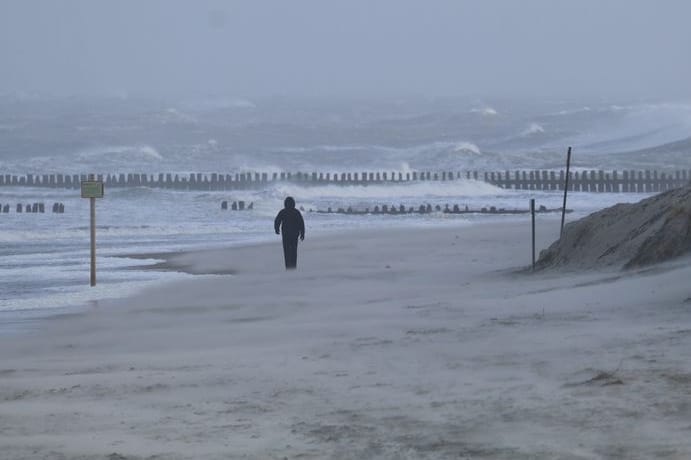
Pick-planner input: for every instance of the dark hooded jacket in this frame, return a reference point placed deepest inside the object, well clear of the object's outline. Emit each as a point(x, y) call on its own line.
point(289, 221)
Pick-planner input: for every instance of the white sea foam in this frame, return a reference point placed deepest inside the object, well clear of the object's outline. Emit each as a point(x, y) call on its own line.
point(573, 111)
point(405, 168)
point(174, 115)
point(485, 111)
point(108, 287)
point(456, 188)
point(467, 147)
point(532, 130)
point(124, 152)
point(327, 148)
point(149, 152)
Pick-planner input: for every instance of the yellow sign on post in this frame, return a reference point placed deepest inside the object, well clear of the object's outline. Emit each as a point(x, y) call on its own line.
point(92, 189)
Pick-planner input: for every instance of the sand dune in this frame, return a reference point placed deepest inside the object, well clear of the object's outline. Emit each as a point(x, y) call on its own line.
point(651, 231)
point(419, 344)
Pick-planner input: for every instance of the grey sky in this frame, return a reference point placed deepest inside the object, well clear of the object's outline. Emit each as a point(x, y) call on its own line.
point(349, 47)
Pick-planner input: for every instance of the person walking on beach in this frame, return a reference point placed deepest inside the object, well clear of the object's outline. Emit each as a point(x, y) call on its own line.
point(290, 224)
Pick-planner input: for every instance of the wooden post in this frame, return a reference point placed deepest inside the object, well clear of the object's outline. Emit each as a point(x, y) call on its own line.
point(92, 203)
point(92, 189)
point(532, 218)
point(566, 191)
point(93, 240)
point(608, 183)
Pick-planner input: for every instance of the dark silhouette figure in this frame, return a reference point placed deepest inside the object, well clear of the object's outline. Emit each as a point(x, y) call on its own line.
point(291, 225)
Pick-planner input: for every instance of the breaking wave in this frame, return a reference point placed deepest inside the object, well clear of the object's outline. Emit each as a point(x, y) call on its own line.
point(533, 129)
point(456, 188)
point(485, 111)
point(173, 115)
point(467, 147)
point(123, 152)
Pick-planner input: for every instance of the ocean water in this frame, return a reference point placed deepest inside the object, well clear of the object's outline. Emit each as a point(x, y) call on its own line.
point(45, 257)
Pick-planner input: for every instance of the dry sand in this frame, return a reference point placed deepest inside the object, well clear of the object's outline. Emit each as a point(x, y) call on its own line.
point(415, 344)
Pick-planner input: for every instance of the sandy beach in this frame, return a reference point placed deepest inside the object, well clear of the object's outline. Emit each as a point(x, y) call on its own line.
point(426, 343)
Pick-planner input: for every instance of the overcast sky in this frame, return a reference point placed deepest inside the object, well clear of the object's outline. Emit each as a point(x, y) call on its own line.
point(322, 48)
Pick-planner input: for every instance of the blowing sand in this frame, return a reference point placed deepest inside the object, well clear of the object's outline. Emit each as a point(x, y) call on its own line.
point(415, 344)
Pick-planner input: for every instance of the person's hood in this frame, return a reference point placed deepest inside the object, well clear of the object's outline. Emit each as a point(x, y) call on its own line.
point(289, 203)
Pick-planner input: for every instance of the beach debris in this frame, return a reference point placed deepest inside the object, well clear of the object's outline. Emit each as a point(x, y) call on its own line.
point(602, 378)
point(605, 379)
point(116, 456)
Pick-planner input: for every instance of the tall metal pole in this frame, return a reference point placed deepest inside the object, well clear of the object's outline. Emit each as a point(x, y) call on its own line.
point(93, 237)
point(532, 215)
point(566, 191)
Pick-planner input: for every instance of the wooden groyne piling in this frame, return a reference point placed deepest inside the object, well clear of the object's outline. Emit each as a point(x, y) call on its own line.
point(647, 181)
point(32, 208)
point(429, 209)
point(592, 181)
point(237, 206)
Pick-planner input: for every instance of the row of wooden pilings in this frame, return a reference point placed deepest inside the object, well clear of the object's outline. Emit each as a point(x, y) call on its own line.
point(428, 209)
point(58, 208)
point(586, 181)
point(236, 206)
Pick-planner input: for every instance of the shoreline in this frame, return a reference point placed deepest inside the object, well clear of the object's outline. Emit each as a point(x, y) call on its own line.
point(169, 261)
point(420, 343)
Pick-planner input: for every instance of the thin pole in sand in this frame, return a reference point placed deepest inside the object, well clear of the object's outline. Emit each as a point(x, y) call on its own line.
point(92, 201)
point(532, 216)
point(566, 191)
